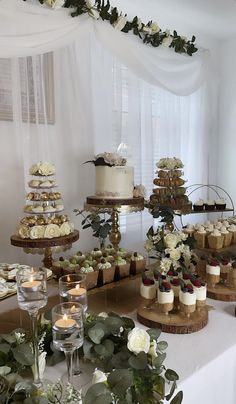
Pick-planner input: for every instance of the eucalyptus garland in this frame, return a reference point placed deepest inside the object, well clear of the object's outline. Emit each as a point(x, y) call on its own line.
point(149, 33)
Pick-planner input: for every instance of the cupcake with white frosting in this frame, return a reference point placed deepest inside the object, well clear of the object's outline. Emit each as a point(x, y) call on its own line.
point(187, 300)
point(106, 272)
point(220, 204)
point(216, 240)
point(227, 236)
point(91, 275)
point(189, 229)
point(232, 230)
point(209, 205)
point(96, 253)
point(137, 263)
point(122, 267)
point(200, 237)
point(198, 206)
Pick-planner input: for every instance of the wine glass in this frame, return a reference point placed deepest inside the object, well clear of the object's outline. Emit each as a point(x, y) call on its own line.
point(68, 331)
point(32, 296)
point(73, 288)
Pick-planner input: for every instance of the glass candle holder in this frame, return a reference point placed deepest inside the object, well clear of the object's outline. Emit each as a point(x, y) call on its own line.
point(68, 331)
point(32, 296)
point(72, 288)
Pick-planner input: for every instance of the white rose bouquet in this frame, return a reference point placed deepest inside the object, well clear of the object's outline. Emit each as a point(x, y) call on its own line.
point(172, 249)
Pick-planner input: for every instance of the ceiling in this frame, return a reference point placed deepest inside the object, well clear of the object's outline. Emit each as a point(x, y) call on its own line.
point(216, 18)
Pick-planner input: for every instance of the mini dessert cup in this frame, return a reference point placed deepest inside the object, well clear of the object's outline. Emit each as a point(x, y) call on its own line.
point(216, 240)
point(200, 290)
point(175, 284)
point(91, 277)
point(187, 309)
point(122, 271)
point(200, 237)
point(198, 206)
point(225, 267)
point(232, 276)
point(209, 205)
point(137, 263)
point(232, 230)
point(165, 297)
point(220, 204)
point(148, 289)
point(106, 272)
point(213, 273)
point(227, 236)
point(187, 300)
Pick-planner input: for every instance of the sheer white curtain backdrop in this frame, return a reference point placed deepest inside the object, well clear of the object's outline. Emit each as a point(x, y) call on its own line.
point(83, 100)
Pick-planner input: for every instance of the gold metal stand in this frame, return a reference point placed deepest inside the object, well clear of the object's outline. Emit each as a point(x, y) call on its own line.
point(115, 206)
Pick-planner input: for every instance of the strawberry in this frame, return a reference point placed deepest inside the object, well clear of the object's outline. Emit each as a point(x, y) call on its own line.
point(175, 282)
point(166, 285)
point(170, 273)
point(185, 276)
point(197, 283)
point(189, 286)
point(148, 282)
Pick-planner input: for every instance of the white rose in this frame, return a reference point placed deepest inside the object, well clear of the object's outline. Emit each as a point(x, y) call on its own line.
point(154, 27)
point(165, 265)
point(94, 13)
point(89, 3)
point(55, 4)
point(182, 236)
point(33, 169)
point(65, 229)
point(147, 29)
point(148, 245)
point(171, 240)
point(139, 23)
point(153, 349)
point(120, 23)
point(51, 231)
point(138, 341)
point(46, 169)
point(167, 41)
point(98, 377)
point(139, 191)
point(174, 254)
point(37, 232)
point(103, 314)
point(42, 364)
point(23, 231)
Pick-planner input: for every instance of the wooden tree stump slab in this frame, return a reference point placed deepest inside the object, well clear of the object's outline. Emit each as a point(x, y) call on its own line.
point(222, 292)
point(149, 314)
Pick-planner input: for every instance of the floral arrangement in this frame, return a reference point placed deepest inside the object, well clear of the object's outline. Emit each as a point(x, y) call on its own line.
point(131, 362)
point(168, 163)
point(42, 168)
point(108, 159)
point(149, 33)
point(173, 250)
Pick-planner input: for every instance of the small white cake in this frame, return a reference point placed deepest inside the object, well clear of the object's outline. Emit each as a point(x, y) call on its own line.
point(114, 182)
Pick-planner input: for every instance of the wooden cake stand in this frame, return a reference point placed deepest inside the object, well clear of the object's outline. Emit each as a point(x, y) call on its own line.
point(116, 206)
point(175, 322)
point(46, 244)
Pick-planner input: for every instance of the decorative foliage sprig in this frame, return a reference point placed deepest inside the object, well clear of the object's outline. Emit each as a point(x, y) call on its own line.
point(98, 221)
point(149, 33)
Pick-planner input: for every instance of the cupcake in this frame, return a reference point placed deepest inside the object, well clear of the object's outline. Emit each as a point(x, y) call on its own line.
point(209, 205)
point(122, 267)
point(137, 263)
point(227, 236)
point(198, 206)
point(107, 257)
point(232, 276)
point(225, 223)
point(122, 252)
point(109, 249)
point(200, 290)
point(148, 289)
point(187, 300)
point(91, 275)
point(215, 240)
point(189, 230)
point(232, 230)
point(96, 253)
point(106, 272)
point(165, 297)
point(200, 237)
point(220, 204)
point(176, 285)
point(80, 256)
point(213, 272)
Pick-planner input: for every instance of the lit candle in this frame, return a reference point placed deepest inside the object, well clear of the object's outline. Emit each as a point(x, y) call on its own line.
point(65, 322)
point(77, 291)
point(31, 285)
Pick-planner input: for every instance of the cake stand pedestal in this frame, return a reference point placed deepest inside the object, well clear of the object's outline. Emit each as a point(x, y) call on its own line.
point(45, 244)
point(150, 315)
point(115, 206)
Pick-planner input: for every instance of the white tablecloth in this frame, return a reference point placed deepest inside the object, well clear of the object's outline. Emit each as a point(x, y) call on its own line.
point(205, 360)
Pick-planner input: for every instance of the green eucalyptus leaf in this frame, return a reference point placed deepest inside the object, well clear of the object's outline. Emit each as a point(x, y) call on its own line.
point(120, 380)
point(105, 349)
point(154, 333)
point(113, 324)
point(87, 346)
point(98, 393)
point(158, 361)
point(128, 323)
point(10, 338)
point(139, 362)
point(162, 345)
point(121, 359)
point(171, 375)
point(97, 332)
point(23, 354)
point(5, 348)
point(159, 386)
point(4, 370)
point(13, 378)
point(178, 398)
point(3, 359)
point(172, 390)
point(3, 388)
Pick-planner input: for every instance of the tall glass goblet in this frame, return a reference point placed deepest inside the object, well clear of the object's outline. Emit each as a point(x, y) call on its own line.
point(68, 331)
point(32, 296)
point(72, 288)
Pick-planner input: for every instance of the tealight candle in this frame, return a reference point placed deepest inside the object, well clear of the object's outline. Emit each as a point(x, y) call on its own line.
point(65, 322)
point(30, 286)
point(77, 291)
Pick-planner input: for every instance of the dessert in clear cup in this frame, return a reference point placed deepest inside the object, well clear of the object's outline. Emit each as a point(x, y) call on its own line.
point(148, 288)
point(187, 300)
point(213, 272)
point(200, 289)
point(165, 297)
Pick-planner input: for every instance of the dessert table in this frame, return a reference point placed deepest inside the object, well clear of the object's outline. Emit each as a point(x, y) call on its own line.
point(205, 360)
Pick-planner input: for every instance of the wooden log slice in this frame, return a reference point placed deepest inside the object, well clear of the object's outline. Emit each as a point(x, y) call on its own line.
point(45, 242)
point(175, 323)
point(222, 292)
point(93, 200)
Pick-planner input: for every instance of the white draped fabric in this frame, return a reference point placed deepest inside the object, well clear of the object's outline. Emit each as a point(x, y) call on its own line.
point(85, 97)
point(26, 28)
